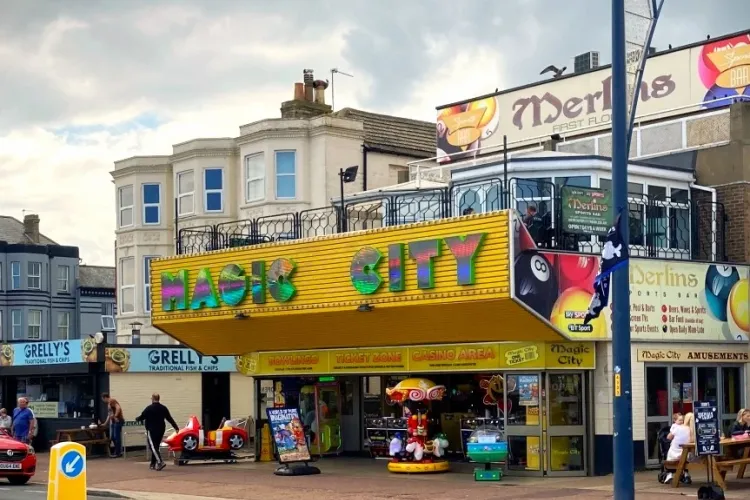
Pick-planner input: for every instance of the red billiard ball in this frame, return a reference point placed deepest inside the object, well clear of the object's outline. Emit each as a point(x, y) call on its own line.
point(577, 271)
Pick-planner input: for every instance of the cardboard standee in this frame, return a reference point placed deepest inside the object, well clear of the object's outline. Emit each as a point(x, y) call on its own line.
point(291, 443)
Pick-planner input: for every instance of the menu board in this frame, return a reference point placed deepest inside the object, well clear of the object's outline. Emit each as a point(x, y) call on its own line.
point(707, 437)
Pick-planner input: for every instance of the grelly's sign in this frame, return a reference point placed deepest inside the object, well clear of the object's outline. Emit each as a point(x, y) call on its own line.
point(164, 360)
point(56, 352)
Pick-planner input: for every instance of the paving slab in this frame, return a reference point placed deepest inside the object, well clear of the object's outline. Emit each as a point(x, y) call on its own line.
point(351, 479)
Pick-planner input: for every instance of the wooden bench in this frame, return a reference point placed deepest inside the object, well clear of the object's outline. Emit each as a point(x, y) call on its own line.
point(690, 465)
point(87, 437)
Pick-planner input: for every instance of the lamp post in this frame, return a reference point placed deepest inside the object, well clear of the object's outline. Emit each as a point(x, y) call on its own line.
point(135, 332)
point(346, 175)
point(622, 408)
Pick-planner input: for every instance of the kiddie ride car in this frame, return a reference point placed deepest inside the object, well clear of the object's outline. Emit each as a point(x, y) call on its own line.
point(17, 460)
point(192, 442)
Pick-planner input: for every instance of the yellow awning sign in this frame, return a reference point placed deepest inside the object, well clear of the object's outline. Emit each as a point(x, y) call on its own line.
point(484, 357)
point(454, 357)
point(232, 285)
point(405, 262)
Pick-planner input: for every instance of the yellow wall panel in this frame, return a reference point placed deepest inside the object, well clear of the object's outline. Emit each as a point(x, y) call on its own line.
point(322, 277)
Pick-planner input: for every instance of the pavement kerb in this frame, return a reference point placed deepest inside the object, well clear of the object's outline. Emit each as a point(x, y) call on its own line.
point(106, 493)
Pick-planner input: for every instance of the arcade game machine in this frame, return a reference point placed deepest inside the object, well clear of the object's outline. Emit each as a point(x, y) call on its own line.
point(420, 450)
point(380, 431)
point(320, 406)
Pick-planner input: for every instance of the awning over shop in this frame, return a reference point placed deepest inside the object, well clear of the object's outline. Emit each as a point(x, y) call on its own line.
point(434, 282)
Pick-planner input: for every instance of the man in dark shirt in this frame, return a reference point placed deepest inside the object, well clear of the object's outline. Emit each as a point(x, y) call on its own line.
point(153, 418)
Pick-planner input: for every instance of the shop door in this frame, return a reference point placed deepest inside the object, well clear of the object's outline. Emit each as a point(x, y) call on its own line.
point(351, 414)
point(565, 423)
point(523, 423)
point(216, 404)
point(658, 408)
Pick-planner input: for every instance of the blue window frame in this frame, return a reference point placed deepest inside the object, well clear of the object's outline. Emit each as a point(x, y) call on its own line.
point(286, 169)
point(213, 187)
point(151, 204)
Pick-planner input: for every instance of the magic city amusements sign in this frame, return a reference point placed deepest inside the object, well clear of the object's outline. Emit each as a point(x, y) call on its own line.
point(235, 286)
point(437, 261)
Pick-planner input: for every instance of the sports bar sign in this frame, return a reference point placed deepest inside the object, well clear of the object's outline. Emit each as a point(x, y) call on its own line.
point(705, 76)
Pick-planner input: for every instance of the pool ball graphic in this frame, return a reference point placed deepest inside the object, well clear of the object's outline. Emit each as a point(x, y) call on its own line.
point(719, 282)
point(738, 305)
point(577, 271)
point(570, 309)
point(536, 282)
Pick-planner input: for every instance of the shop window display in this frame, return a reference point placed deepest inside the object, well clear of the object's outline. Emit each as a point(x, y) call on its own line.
point(59, 397)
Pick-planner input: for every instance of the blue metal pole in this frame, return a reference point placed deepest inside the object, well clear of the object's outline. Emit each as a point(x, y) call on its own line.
point(624, 480)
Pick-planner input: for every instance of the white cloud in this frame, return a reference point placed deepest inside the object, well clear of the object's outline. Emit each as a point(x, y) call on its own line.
point(77, 81)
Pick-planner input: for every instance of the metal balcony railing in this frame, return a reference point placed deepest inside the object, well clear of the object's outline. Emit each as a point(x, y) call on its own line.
point(690, 228)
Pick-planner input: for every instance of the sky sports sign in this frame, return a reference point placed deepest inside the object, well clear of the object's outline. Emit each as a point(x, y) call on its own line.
point(164, 360)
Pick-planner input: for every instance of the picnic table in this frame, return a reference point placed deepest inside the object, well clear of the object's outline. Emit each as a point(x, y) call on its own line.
point(720, 465)
point(87, 436)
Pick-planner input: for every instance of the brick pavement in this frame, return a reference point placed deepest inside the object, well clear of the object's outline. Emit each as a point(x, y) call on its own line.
point(350, 479)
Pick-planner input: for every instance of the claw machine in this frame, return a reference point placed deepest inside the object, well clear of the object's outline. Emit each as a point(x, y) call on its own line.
point(320, 410)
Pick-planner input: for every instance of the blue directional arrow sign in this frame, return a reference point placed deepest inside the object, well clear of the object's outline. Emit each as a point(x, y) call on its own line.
point(72, 464)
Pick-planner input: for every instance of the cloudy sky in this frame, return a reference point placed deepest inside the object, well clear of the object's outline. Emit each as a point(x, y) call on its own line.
point(87, 82)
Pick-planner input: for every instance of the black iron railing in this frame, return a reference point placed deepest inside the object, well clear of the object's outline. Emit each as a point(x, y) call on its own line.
point(690, 227)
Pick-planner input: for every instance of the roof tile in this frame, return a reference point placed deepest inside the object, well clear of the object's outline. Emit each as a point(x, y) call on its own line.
point(393, 133)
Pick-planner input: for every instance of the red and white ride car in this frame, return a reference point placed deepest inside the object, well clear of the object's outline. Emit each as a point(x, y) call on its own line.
point(194, 439)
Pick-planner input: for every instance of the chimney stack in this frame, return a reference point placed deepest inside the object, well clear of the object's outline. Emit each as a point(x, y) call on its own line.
point(31, 227)
point(299, 91)
point(320, 87)
point(309, 99)
point(307, 76)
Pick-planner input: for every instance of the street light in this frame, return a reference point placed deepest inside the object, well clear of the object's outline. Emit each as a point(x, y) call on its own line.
point(346, 175)
point(135, 332)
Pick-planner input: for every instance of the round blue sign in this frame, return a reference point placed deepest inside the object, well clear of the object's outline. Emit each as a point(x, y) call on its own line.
point(72, 464)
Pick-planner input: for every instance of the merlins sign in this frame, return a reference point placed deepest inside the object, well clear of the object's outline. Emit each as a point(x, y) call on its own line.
point(234, 285)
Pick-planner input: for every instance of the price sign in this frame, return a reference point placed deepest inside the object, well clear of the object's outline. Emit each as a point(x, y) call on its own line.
point(707, 437)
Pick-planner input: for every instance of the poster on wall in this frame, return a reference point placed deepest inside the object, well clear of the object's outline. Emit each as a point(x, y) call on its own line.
point(528, 390)
point(670, 300)
point(585, 210)
point(163, 360)
point(288, 435)
point(44, 409)
point(56, 352)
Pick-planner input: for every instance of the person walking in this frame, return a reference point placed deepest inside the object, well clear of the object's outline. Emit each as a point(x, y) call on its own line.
point(115, 420)
point(153, 417)
point(23, 421)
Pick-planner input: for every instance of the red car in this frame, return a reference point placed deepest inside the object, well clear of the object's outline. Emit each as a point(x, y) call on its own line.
point(17, 460)
point(194, 440)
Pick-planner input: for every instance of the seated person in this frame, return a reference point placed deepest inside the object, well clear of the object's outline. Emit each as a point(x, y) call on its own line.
point(742, 424)
point(679, 434)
